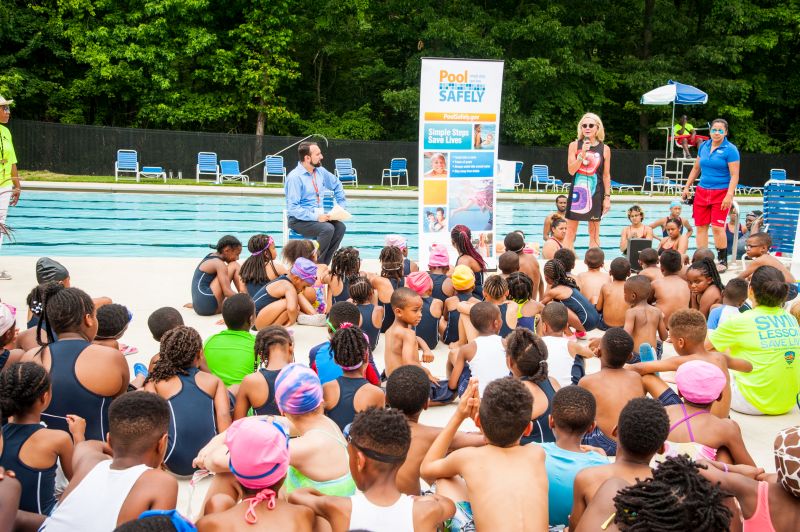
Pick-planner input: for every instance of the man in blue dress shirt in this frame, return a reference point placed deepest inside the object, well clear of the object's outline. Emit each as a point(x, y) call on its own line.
point(304, 188)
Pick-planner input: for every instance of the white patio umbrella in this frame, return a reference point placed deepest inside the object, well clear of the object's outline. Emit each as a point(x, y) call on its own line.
point(674, 93)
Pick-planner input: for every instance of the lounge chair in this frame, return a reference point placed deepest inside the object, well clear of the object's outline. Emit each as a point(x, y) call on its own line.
point(540, 175)
point(616, 185)
point(345, 172)
point(207, 165)
point(273, 167)
point(127, 163)
point(518, 165)
point(654, 176)
point(398, 168)
point(229, 171)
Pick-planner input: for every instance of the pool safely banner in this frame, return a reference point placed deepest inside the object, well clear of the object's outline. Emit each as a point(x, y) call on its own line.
point(459, 118)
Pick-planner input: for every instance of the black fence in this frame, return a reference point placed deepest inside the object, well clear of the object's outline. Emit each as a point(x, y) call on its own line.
point(91, 150)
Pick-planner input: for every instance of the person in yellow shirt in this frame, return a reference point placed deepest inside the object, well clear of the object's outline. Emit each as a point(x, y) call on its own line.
point(9, 178)
point(687, 136)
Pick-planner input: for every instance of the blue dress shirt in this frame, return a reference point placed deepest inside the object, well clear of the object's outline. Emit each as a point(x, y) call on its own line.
point(302, 199)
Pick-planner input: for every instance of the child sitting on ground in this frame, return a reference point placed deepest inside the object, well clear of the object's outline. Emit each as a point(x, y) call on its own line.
point(390, 279)
point(351, 392)
point(259, 460)
point(693, 430)
point(758, 249)
point(648, 261)
point(438, 266)
point(611, 302)
point(107, 491)
point(515, 242)
point(320, 358)
point(482, 357)
point(642, 429)
point(379, 442)
point(495, 291)
point(766, 502)
point(400, 242)
point(260, 267)
point(503, 415)
point(582, 315)
point(461, 238)
point(671, 292)
point(591, 281)
point(29, 449)
point(8, 334)
point(565, 357)
point(733, 296)
point(274, 348)
point(229, 354)
point(428, 328)
point(567, 257)
point(705, 285)
point(189, 391)
point(463, 282)
point(521, 292)
point(573, 411)
point(112, 322)
point(407, 390)
point(508, 263)
point(363, 296)
point(642, 320)
point(345, 266)
point(280, 301)
point(526, 358)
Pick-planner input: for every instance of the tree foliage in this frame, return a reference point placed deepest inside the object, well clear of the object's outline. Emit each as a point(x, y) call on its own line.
point(350, 68)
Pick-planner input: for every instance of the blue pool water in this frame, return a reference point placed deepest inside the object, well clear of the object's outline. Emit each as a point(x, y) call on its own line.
point(182, 225)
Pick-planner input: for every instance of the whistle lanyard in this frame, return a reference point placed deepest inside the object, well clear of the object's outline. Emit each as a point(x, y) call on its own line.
point(316, 189)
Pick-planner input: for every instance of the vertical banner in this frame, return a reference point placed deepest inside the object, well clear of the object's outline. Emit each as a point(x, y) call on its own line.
point(459, 118)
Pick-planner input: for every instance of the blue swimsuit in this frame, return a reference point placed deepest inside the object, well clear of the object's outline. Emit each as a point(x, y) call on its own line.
point(262, 298)
point(72, 397)
point(542, 432)
point(505, 330)
point(406, 267)
point(372, 332)
point(270, 408)
point(451, 332)
point(438, 280)
point(388, 313)
point(4, 358)
point(203, 300)
point(343, 413)
point(344, 295)
point(192, 424)
point(38, 485)
point(585, 311)
point(428, 328)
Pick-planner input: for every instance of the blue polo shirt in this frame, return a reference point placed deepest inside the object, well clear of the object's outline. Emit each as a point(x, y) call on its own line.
point(714, 172)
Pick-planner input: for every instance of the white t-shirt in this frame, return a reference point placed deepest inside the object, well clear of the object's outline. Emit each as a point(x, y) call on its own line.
point(489, 362)
point(559, 361)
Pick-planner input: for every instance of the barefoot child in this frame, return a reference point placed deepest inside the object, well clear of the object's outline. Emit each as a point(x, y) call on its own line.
point(8, 336)
point(508, 263)
point(260, 267)
point(565, 357)
point(279, 302)
point(705, 285)
point(591, 281)
point(345, 266)
point(526, 358)
point(351, 392)
point(643, 321)
point(399, 241)
point(274, 348)
point(112, 322)
point(379, 440)
point(229, 354)
point(217, 277)
point(407, 390)
point(733, 297)
point(521, 292)
point(463, 282)
point(428, 328)
point(515, 242)
point(438, 266)
point(648, 264)
point(671, 292)
point(611, 303)
point(108, 491)
point(390, 279)
point(461, 238)
point(758, 249)
point(583, 316)
point(363, 296)
point(29, 449)
point(483, 357)
point(259, 460)
point(495, 291)
point(504, 415)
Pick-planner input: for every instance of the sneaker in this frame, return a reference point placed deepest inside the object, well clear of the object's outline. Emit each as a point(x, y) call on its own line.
point(314, 320)
point(140, 369)
point(5, 276)
point(580, 335)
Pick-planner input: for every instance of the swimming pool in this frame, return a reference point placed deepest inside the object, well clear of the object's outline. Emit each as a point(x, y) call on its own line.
point(182, 225)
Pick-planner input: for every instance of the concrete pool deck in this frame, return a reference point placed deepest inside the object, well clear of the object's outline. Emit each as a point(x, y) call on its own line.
point(145, 284)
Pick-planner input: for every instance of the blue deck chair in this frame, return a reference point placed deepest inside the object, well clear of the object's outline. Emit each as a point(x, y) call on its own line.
point(273, 167)
point(540, 175)
point(398, 168)
point(781, 209)
point(518, 165)
point(127, 163)
point(777, 174)
point(207, 165)
point(288, 234)
point(153, 172)
point(345, 172)
point(654, 176)
point(615, 185)
point(229, 171)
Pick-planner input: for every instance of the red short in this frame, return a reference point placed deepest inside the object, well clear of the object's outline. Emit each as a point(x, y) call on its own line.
point(708, 207)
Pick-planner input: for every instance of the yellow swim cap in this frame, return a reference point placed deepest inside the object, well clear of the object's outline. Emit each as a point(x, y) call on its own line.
point(463, 278)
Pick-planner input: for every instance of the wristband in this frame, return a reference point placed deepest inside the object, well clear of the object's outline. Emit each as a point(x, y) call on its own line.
point(725, 466)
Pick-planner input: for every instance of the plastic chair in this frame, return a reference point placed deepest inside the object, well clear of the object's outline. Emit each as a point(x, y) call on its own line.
point(273, 167)
point(540, 175)
point(345, 172)
point(777, 174)
point(781, 211)
point(518, 165)
point(288, 234)
point(207, 165)
point(153, 172)
point(398, 168)
point(654, 176)
point(127, 163)
point(229, 171)
point(615, 185)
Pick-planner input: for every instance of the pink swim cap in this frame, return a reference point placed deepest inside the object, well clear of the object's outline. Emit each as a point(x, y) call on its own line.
point(700, 382)
point(439, 257)
point(305, 270)
point(419, 282)
point(396, 241)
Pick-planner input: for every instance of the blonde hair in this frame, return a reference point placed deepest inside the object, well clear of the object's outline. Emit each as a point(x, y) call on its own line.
point(601, 132)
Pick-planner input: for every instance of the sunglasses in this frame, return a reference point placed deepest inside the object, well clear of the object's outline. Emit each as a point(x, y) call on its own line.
point(5, 107)
point(588, 126)
point(719, 131)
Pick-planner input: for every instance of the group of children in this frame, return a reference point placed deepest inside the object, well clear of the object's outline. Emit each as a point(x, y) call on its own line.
point(338, 444)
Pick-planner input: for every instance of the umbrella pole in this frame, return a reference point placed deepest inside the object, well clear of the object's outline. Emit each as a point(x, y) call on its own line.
point(670, 137)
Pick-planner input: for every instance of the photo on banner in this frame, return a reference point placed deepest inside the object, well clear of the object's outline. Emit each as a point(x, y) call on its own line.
point(459, 124)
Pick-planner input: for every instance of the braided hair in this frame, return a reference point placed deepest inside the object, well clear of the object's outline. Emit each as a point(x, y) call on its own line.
point(520, 287)
point(63, 310)
point(227, 241)
point(462, 241)
point(495, 287)
point(254, 268)
point(554, 270)
point(391, 262)
point(35, 298)
point(345, 263)
point(294, 249)
point(21, 385)
point(179, 348)
point(676, 498)
point(529, 353)
point(349, 347)
point(361, 290)
point(707, 267)
point(268, 337)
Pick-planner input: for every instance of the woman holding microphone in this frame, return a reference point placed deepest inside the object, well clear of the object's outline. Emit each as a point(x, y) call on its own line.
point(589, 162)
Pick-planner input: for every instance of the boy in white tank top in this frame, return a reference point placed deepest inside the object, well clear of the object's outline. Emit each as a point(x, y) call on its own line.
point(484, 357)
point(564, 356)
point(104, 493)
point(378, 441)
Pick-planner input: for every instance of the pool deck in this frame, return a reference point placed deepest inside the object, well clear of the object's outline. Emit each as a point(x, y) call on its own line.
point(145, 284)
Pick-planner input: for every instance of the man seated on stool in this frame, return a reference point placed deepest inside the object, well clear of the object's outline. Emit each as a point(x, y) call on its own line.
point(686, 136)
point(304, 188)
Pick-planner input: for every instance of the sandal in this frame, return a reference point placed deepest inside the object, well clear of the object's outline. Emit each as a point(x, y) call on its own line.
point(722, 268)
